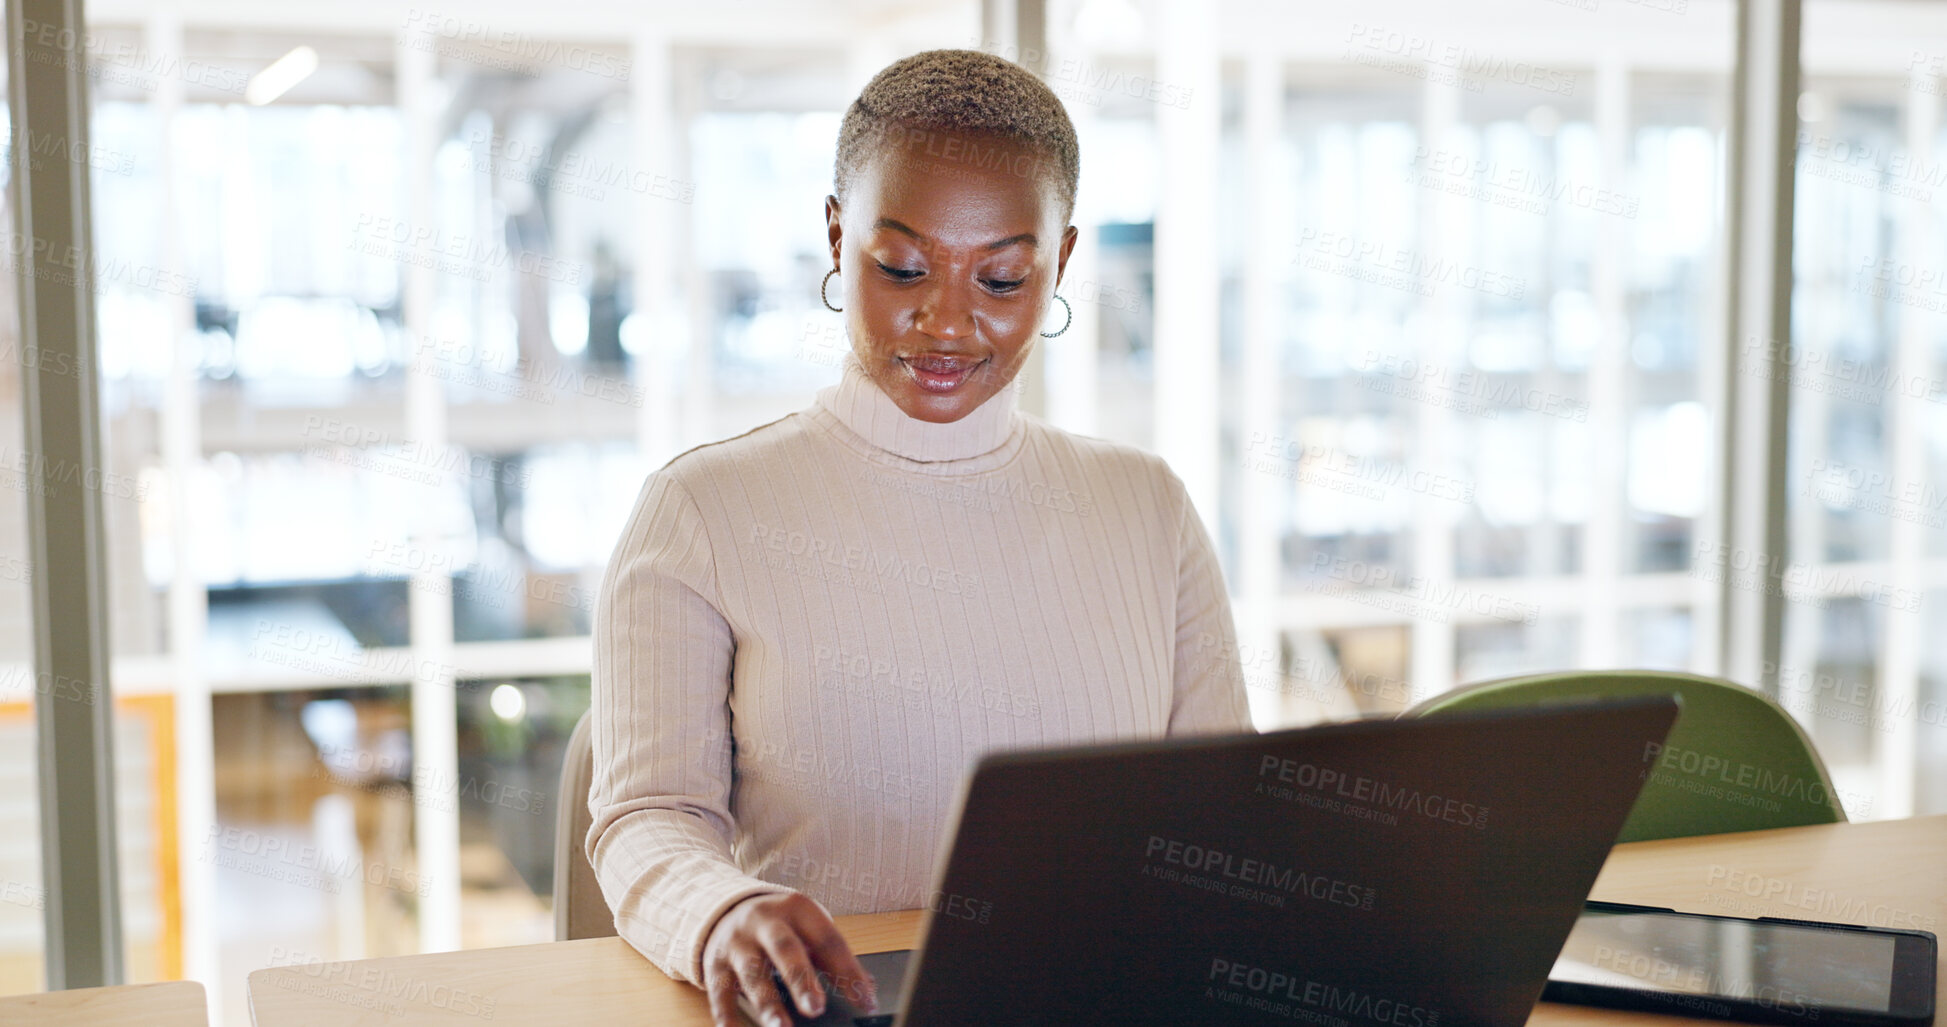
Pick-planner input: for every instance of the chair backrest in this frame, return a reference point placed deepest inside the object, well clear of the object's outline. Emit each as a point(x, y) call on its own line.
point(580, 911)
point(1735, 761)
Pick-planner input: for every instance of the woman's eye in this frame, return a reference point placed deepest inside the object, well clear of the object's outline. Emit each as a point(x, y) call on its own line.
point(908, 274)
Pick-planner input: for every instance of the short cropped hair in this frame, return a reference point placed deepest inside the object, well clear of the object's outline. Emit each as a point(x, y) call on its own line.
point(959, 91)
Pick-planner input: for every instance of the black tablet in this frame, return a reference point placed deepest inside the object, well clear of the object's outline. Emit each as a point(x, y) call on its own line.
point(1764, 970)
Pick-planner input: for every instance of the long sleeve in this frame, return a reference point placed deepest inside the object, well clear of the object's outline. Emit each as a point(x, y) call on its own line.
point(661, 838)
point(1209, 694)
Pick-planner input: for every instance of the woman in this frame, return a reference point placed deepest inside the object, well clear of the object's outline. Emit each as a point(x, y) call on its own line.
point(808, 633)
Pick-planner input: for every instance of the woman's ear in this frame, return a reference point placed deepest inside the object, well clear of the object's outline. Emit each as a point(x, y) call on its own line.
point(1068, 237)
point(834, 229)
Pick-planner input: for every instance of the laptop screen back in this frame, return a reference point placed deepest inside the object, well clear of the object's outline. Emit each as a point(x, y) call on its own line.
point(1414, 873)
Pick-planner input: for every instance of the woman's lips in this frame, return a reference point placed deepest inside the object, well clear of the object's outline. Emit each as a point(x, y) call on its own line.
point(937, 373)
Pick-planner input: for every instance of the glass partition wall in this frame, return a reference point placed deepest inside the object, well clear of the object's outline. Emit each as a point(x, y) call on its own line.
point(405, 306)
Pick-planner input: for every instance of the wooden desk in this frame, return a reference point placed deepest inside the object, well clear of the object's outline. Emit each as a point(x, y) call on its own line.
point(168, 1004)
point(1886, 874)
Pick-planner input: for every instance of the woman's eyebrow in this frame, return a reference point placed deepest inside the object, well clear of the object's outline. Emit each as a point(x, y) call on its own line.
point(1026, 237)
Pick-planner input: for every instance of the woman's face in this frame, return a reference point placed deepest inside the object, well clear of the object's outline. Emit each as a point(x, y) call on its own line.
point(949, 248)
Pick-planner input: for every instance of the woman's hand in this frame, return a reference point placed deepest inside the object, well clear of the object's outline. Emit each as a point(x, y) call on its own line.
point(788, 931)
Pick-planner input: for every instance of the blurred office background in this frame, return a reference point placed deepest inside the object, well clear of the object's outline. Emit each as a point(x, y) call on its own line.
point(1424, 299)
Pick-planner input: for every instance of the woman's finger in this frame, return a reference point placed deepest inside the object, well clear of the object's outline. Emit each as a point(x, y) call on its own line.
point(793, 963)
point(720, 983)
point(754, 978)
point(832, 955)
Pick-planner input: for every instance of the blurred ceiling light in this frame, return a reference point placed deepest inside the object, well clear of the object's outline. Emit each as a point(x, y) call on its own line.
point(568, 322)
point(507, 702)
point(1109, 23)
point(1811, 107)
point(727, 84)
point(1543, 120)
point(283, 73)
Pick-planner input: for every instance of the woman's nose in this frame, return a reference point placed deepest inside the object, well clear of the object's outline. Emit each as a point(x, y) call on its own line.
point(946, 310)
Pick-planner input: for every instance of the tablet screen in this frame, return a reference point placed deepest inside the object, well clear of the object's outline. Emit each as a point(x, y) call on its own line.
point(1786, 966)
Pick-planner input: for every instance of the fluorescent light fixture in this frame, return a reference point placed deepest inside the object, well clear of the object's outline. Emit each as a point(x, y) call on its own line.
point(283, 73)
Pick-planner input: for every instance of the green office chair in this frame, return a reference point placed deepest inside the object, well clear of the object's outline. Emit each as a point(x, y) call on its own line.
point(1735, 761)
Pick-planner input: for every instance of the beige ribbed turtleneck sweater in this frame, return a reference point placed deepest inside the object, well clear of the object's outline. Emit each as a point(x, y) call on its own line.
point(809, 632)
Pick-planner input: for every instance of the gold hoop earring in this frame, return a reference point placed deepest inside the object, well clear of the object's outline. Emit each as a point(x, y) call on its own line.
point(822, 296)
point(1064, 324)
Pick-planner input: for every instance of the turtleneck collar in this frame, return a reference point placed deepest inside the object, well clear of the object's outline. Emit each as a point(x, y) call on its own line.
point(858, 404)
